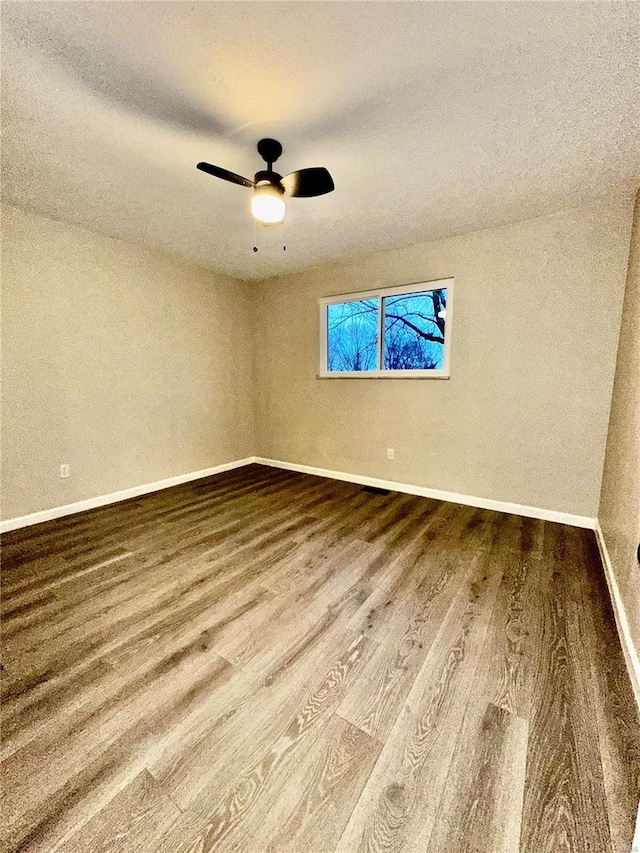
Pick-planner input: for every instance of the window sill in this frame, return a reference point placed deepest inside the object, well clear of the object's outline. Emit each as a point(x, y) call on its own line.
point(387, 374)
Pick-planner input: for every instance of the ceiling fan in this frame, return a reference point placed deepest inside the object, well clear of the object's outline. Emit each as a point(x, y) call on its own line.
point(269, 188)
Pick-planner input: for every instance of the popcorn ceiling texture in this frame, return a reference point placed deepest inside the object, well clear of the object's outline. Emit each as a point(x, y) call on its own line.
point(434, 119)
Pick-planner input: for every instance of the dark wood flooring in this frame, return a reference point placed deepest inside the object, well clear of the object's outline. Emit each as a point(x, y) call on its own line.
point(271, 662)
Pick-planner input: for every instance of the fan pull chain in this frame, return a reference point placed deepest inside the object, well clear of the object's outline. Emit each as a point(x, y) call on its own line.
point(255, 236)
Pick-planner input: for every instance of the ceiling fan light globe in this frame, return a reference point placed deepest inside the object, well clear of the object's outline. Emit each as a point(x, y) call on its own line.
point(267, 205)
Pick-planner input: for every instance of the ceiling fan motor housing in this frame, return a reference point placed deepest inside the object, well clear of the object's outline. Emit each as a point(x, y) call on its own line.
point(272, 178)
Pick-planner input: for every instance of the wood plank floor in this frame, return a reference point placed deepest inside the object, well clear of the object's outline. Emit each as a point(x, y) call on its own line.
point(271, 662)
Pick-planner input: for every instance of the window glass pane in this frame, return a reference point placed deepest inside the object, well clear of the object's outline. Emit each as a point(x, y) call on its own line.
point(352, 335)
point(414, 329)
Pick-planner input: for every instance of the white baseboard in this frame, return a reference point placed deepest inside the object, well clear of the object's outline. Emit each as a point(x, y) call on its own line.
point(626, 641)
point(114, 497)
point(421, 491)
point(424, 492)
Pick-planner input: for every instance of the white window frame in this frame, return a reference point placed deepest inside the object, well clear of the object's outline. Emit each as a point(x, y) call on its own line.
point(400, 290)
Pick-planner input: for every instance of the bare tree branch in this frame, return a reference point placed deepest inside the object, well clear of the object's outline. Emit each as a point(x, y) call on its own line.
point(424, 335)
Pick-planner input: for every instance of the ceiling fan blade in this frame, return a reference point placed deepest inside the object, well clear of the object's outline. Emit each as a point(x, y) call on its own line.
point(217, 172)
point(306, 183)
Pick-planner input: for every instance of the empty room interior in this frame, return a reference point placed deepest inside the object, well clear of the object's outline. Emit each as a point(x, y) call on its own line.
point(320, 427)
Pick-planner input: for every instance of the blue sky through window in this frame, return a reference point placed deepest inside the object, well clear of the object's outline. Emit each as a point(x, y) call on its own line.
point(352, 335)
point(413, 332)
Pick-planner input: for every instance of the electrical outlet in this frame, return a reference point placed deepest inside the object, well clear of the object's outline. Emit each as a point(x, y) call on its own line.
point(390, 452)
point(65, 471)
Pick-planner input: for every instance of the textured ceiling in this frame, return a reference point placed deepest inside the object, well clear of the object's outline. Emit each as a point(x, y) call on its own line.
point(433, 118)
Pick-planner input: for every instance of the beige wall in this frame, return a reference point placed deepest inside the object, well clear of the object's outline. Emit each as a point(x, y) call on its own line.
point(133, 367)
point(118, 360)
point(620, 498)
point(523, 417)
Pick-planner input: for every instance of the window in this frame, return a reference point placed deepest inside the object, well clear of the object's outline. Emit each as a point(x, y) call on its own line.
point(402, 332)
